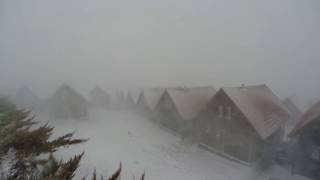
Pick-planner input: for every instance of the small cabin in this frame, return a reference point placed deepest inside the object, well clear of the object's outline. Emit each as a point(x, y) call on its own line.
point(240, 120)
point(26, 99)
point(178, 106)
point(307, 151)
point(148, 100)
point(100, 98)
point(66, 103)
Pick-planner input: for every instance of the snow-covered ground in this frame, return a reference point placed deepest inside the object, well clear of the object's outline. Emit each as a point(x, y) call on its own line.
point(142, 146)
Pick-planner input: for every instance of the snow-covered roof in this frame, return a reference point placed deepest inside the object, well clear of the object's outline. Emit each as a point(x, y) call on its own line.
point(263, 109)
point(66, 94)
point(191, 101)
point(311, 115)
point(292, 108)
point(152, 96)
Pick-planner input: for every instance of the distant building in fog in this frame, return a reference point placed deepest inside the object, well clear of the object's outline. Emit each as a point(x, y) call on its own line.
point(66, 103)
point(27, 99)
point(148, 100)
point(117, 98)
point(178, 106)
point(307, 132)
point(132, 98)
point(239, 121)
point(100, 98)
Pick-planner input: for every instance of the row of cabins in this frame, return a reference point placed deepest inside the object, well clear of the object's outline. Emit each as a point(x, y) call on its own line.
point(237, 122)
point(67, 103)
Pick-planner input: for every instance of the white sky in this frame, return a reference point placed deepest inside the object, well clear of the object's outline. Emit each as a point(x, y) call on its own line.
point(168, 42)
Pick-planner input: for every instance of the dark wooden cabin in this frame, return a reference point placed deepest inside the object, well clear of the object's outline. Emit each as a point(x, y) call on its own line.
point(148, 100)
point(100, 98)
point(307, 151)
point(178, 106)
point(239, 120)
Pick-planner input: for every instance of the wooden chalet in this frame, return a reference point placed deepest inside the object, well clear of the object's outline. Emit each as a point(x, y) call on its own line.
point(307, 151)
point(240, 120)
point(178, 106)
point(148, 100)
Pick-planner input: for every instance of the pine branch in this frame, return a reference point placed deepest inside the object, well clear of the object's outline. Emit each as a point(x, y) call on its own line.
point(67, 170)
point(116, 175)
point(65, 140)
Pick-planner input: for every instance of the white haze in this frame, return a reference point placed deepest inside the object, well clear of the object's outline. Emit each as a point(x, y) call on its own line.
point(125, 43)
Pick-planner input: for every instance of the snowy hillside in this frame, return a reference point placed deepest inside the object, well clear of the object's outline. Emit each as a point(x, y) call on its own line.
point(117, 136)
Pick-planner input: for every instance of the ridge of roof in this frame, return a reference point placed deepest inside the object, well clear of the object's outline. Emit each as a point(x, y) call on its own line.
point(263, 109)
point(308, 117)
point(191, 101)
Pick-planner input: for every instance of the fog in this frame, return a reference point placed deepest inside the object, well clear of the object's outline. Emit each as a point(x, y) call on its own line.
point(123, 43)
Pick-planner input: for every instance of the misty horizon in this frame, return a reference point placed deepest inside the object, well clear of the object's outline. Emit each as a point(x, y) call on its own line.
point(160, 43)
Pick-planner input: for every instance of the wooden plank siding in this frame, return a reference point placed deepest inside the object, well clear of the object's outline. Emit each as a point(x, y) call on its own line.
point(307, 156)
point(225, 128)
point(167, 113)
point(241, 122)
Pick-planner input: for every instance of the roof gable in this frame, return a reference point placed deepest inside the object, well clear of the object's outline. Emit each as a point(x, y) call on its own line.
point(292, 108)
point(152, 96)
point(65, 94)
point(311, 115)
point(26, 97)
point(191, 101)
point(260, 106)
point(98, 92)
